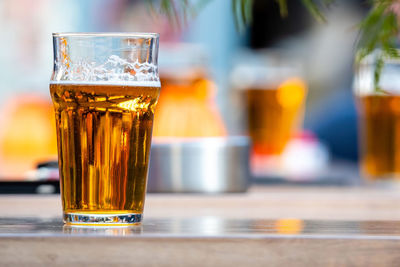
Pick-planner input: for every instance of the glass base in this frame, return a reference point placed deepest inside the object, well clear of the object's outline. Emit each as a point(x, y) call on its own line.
point(87, 219)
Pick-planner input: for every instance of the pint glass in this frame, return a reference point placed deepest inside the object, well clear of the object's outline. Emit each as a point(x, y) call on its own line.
point(104, 89)
point(378, 108)
point(274, 93)
point(186, 107)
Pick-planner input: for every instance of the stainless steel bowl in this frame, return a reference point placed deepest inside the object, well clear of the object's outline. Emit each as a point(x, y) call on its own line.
point(200, 165)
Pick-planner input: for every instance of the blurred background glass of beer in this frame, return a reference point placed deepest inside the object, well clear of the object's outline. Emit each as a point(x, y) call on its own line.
point(272, 86)
point(186, 108)
point(379, 118)
point(285, 82)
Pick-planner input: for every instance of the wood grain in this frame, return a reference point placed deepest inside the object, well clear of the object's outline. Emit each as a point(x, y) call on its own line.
point(56, 251)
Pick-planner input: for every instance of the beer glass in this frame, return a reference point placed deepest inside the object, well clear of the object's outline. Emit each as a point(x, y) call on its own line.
point(378, 108)
point(104, 89)
point(186, 107)
point(274, 94)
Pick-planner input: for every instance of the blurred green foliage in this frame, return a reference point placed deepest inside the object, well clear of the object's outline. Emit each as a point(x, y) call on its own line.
point(377, 31)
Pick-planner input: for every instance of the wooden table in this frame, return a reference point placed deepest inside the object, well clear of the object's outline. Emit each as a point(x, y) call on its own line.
point(275, 225)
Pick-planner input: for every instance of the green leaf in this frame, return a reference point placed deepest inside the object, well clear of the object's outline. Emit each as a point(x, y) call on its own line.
point(314, 10)
point(378, 30)
point(379, 63)
point(237, 18)
point(242, 11)
point(282, 7)
point(248, 11)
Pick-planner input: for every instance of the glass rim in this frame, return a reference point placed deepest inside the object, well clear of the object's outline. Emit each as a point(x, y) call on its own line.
point(107, 34)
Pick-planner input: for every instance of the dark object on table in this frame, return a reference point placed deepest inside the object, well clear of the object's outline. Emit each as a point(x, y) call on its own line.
point(43, 180)
point(29, 187)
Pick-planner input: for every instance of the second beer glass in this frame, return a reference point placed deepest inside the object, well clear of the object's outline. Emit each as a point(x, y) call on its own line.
point(379, 118)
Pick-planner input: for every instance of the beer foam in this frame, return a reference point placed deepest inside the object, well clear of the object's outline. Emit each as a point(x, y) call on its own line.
point(116, 83)
point(113, 70)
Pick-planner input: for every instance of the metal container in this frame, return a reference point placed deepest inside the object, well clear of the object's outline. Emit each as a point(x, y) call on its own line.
point(199, 165)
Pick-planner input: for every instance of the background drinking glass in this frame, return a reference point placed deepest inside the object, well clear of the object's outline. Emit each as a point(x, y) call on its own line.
point(186, 107)
point(275, 94)
point(104, 88)
point(379, 118)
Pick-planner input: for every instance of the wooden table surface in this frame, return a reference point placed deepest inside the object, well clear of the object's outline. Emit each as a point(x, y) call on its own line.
point(275, 225)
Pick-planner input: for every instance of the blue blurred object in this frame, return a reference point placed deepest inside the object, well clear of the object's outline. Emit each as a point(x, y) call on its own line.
point(334, 121)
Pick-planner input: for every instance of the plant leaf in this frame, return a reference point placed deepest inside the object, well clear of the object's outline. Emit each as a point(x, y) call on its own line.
point(378, 30)
point(314, 10)
point(379, 63)
point(282, 7)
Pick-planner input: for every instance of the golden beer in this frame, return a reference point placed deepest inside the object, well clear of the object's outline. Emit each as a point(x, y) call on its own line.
point(379, 117)
point(104, 88)
point(104, 135)
point(274, 114)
